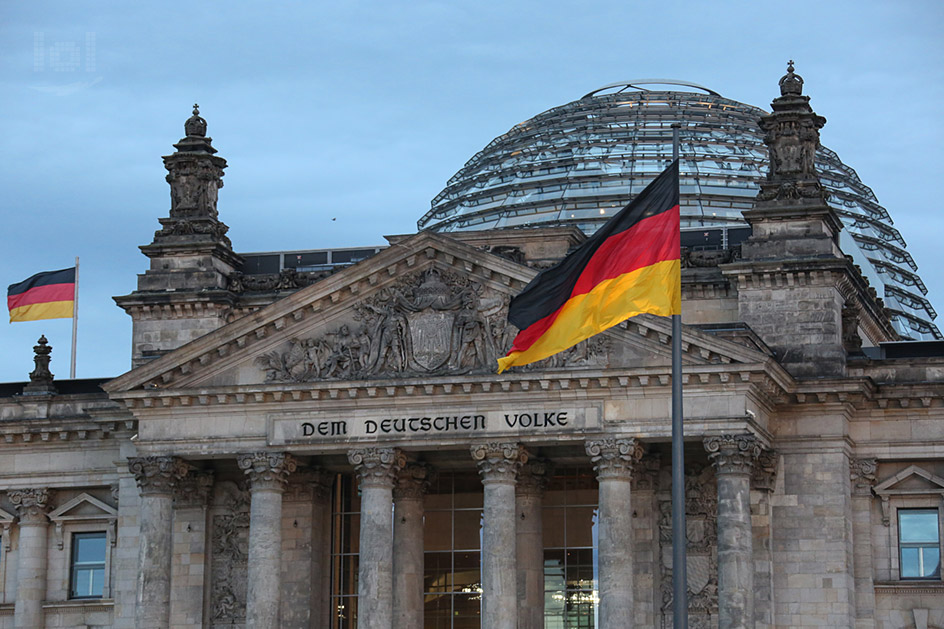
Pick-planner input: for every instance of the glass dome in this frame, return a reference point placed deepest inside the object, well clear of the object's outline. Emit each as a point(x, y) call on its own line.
point(581, 162)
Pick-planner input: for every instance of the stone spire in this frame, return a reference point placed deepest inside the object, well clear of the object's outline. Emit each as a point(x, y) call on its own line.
point(183, 295)
point(792, 192)
point(195, 176)
point(41, 378)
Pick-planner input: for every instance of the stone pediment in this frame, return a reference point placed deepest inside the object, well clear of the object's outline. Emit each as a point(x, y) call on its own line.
point(429, 306)
point(913, 480)
point(84, 508)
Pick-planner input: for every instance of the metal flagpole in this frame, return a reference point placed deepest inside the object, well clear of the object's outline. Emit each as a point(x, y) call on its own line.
point(679, 537)
point(75, 318)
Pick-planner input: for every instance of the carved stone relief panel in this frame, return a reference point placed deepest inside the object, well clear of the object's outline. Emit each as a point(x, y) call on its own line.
point(230, 551)
point(432, 323)
point(701, 523)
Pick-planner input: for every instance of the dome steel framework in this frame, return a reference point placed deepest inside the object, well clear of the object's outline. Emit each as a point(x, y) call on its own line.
point(581, 162)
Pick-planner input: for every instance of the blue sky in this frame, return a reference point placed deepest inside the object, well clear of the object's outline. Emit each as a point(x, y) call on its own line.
point(362, 110)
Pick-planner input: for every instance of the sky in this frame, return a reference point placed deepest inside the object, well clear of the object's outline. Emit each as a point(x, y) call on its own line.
point(340, 121)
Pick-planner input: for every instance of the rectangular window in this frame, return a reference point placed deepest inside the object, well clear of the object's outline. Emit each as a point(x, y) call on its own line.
point(919, 542)
point(88, 565)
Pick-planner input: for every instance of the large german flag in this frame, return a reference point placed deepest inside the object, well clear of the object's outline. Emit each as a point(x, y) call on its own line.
point(47, 295)
point(628, 267)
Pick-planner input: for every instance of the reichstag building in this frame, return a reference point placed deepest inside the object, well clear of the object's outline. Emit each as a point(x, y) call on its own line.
point(320, 439)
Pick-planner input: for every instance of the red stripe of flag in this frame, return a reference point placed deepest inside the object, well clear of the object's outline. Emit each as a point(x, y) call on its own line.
point(41, 295)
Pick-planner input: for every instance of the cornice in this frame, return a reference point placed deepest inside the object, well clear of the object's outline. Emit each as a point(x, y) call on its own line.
point(50, 432)
point(769, 382)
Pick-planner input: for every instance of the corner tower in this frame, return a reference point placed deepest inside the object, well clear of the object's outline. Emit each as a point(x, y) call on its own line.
point(183, 294)
point(796, 288)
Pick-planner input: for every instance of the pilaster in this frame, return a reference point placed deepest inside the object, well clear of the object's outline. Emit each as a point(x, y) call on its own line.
point(529, 499)
point(412, 484)
point(190, 562)
point(862, 476)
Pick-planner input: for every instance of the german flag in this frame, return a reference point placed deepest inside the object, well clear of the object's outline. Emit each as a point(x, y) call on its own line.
point(628, 267)
point(47, 295)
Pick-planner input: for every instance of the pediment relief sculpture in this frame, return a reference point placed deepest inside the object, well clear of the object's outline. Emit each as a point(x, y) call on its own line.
point(434, 323)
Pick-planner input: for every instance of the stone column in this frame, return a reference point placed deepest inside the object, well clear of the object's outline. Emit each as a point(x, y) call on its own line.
point(267, 473)
point(190, 561)
point(613, 461)
point(529, 496)
point(32, 507)
point(412, 483)
point(733, 458)
point(862, 476)
point(498, 465)
point(157, 477)
point(322, 487)
point(377, 470)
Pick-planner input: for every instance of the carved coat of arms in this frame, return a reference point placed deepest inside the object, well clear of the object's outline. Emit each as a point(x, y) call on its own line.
point(432, 323)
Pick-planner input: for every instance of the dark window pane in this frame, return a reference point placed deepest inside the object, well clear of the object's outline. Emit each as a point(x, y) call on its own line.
point(466, 577)
point(468, 530)
point(90, 548)
point(437, 572)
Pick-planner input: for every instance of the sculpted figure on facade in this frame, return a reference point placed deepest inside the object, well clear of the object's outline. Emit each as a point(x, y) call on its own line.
point(230, 548)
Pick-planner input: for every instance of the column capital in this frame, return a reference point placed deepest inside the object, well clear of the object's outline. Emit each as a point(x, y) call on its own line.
point(614, 458)
point(193, 490)
point(733, 454)
point(32, 505)
point(499, 461)
point(377, 467)
point(862, 474)
point(158, 474)
point(764, 474)
point(413, 481)
point(533, 478)
point(267, 471)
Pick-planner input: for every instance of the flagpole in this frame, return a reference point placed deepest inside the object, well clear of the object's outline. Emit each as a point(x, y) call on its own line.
point(75, 318)
point(679, 537)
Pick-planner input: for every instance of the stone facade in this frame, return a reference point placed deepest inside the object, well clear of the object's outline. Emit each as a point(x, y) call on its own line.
point(282, 459)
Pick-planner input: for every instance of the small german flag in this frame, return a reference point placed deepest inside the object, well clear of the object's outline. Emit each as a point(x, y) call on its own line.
point(630, 266)
point(47, 295)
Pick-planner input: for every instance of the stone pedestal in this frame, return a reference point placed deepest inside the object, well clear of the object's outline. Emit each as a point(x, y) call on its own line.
point(498, 465)
point(529, 498)
point(733, 457)
point(614, 460)
point(408, 546)
point(377, 470)
point(32, 507)
point(267, 473)
point(157, 477)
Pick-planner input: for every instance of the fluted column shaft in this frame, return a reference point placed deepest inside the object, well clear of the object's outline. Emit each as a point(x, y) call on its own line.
point(614, 461)
point(862, 477)
point(267, 473)
point(408, 546)
point(529, 498)
point(157, 478)
point(498, 466)
point(733, 457)
point(377, 470)
point(32, 506)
